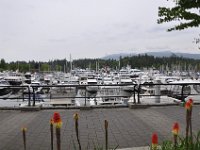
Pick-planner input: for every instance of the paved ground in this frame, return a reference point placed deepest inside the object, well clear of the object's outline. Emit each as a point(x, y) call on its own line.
point(127, 127)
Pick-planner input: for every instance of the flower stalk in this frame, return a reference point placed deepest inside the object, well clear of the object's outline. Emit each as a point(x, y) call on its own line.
point(188, 107)
point(51, 130)
point(58, 123)
point(106, 134)
point(76, 117)
point(24, 137)
point(191, 101)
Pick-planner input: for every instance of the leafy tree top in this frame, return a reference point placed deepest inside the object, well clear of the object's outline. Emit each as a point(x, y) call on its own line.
point(187, 12)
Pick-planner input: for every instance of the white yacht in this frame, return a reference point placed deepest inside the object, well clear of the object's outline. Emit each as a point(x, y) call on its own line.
point(92, 85)
point(108, 95)
point(14, 78)
point(127, 84)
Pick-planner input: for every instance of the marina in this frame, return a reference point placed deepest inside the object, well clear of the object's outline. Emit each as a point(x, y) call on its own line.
point(90, 88)
point(100, 75)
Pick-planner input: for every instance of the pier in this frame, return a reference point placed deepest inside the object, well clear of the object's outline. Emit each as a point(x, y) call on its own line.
point(126, 127)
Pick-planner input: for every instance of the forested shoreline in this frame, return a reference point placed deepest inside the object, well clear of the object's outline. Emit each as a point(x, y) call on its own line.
point(140, 61)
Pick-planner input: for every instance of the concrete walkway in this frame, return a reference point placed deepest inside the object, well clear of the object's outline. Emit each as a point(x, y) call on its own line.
point(127, 127)
point(136, 148)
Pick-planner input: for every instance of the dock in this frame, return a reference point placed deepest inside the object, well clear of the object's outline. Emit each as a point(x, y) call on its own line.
point(61, 102)
point(127, 128)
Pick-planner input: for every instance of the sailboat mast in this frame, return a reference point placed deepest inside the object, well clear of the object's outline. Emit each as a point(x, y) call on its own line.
point(70, 63)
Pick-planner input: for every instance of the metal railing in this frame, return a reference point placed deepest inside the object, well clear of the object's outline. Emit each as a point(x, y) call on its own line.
point(29, 93)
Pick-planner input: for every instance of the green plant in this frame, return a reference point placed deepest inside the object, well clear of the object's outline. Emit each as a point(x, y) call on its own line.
point(76, 117)
point(182, 144)
point(189, 142)
point(51, 131)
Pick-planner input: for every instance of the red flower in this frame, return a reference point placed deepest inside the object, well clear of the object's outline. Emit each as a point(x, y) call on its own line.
point(176, 128)
point(57, 119)
point(190, 101)
point(188, 105)
point(154, 140)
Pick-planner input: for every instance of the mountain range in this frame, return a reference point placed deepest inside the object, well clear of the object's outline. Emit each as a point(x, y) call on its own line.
point(155, 54)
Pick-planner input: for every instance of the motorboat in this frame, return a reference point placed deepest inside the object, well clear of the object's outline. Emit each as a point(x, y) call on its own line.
point(107, 80)
point(27, 76)
point(107, 101)
point(14, 78)
point(5, 91)
point(92, 85)
point(191, 89)
point(108, 95)
point(127, 84)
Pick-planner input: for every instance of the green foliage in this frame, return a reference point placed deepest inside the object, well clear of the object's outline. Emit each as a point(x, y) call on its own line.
point(182, 12)
point(139, 61)
point(169, 145)
point(45, 67)
point(2, 64)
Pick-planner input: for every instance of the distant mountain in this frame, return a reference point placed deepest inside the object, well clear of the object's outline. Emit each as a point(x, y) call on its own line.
point(160, 54)
point(169, 53)
point(155, 54)
point(117, 56)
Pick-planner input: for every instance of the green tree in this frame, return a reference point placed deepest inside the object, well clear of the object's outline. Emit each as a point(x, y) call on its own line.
point(45, 67)
point(2, 64)
point(186, 12)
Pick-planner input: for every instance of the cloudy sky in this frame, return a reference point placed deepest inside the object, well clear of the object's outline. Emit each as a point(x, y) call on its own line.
point(43, 30)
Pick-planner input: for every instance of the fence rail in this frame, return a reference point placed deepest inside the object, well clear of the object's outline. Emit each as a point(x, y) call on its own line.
point(30, 93)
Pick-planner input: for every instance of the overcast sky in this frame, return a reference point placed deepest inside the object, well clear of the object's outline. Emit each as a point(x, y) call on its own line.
point(43, 30)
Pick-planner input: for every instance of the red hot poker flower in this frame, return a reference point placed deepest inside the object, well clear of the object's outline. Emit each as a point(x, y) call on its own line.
point(176, 128)
point(154, 141)
point(57, 120)
point(56, 117)
point(188, 105)
point(190, 101)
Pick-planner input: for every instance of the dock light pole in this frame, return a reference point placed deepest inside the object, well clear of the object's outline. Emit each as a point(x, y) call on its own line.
point(157, 91)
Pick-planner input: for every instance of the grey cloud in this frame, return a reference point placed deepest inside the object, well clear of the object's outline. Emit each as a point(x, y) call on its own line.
point(92, 27)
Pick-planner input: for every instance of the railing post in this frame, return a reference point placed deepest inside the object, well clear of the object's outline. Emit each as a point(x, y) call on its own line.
point(134, 94)
point(33, 96)
point(85, 97)
point(29, 96)
point(182, 94)
point(139, 93)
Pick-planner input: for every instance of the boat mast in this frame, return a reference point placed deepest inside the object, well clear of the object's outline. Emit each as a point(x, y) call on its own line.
point(70, 63)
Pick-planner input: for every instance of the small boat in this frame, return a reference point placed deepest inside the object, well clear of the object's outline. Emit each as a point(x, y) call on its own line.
point(14, 78)
point(128, 84)
point(107, 101)
point(92, 85)
point(5, 91)
point(191, 89)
